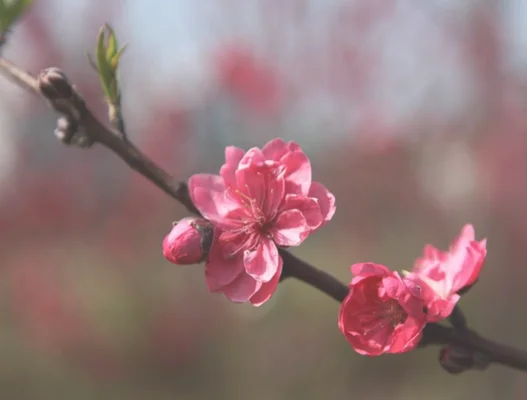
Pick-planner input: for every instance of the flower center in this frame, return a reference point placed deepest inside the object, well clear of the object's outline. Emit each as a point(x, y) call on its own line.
point(392, 311)
point(380, 316)
point(254, 224)
point(255, 218)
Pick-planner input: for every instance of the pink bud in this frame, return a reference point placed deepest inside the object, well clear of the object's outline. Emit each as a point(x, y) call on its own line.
point(188, 242)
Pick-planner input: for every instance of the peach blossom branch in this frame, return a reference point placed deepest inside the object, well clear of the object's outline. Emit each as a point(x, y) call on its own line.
point(78, 126)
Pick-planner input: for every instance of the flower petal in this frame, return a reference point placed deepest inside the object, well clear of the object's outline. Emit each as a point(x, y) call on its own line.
point(275, 149)
point(297, 172)
point(366, 269)
point(220, 270)
point(406, 336)
point(252, 156)
point(290, 228)
point(242, 288)
point(308, 206)
point(293, 146)
point(262, 184)
point(448, 272)
point(262, 262)
point(466, 236)
point(208, 195)
point(268, 288)
point(326, 200)
point(233, 155)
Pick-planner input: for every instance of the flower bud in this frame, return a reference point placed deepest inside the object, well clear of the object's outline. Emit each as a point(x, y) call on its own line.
point(456, 359)
point(189, 241)
point(54, 85)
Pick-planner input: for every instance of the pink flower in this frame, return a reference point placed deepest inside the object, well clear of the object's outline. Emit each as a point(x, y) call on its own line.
point(188, 242)
point(262, 200)
point(443, 274)
point(382, 312)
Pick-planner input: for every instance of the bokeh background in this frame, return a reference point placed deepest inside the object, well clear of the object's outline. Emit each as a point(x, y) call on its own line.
point(414, 114)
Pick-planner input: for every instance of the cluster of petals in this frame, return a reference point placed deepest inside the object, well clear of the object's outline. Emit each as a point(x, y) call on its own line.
point(383, 312)
point(442, 274)
point(263, 199)
point(386, 313)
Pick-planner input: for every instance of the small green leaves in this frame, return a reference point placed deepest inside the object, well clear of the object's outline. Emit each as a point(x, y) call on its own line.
point(10, 11)
point(107, 55)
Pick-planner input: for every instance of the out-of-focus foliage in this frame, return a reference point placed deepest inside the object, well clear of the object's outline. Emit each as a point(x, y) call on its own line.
point(414, 115)
point(10, 11)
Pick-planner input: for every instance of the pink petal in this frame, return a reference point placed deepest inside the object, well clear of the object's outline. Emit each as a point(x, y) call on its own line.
point(464, 261)
point(207, 194)
point(439, 308)
point(392, 286)
point(290, 228)
point(293, 146)
point(262, 262)
point(267, 289)
point(220, 270)
point(207, 181)
point(233, 155)
point(263, 185)
point(242, 288)
point(467, 235)
point(275, 149)
point(211, 278)
point(237, 241)
point(405, 337)
point(215, 207)
point(465, 266)
point(274, 193)
point(478, 252)
point(252, 156)
point(413, 288)
point(431, 252)
point(369, 269)
point(326, 200)
point(297, 172)
point(308, 206)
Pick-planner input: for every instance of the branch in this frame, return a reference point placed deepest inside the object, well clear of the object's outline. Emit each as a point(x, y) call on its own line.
point(54, 87)
point(97, 132)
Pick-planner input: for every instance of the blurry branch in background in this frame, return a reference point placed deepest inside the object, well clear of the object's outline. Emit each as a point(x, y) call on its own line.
point(107, 55)
point(462, 349)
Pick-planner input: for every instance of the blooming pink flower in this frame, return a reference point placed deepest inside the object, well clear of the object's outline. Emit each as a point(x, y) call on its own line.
point(382, 313)
point(443, 274)
point(188, 242)
point(262, 200)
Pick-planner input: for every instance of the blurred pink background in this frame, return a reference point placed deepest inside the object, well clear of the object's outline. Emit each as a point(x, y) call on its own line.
point(414, 114)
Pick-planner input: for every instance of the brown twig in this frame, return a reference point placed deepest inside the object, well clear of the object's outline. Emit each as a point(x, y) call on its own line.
point(53, 86)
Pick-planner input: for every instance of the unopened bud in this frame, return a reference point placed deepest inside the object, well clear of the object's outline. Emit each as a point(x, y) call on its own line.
point(456, 359)
point(54, 85)
point(189, 241)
